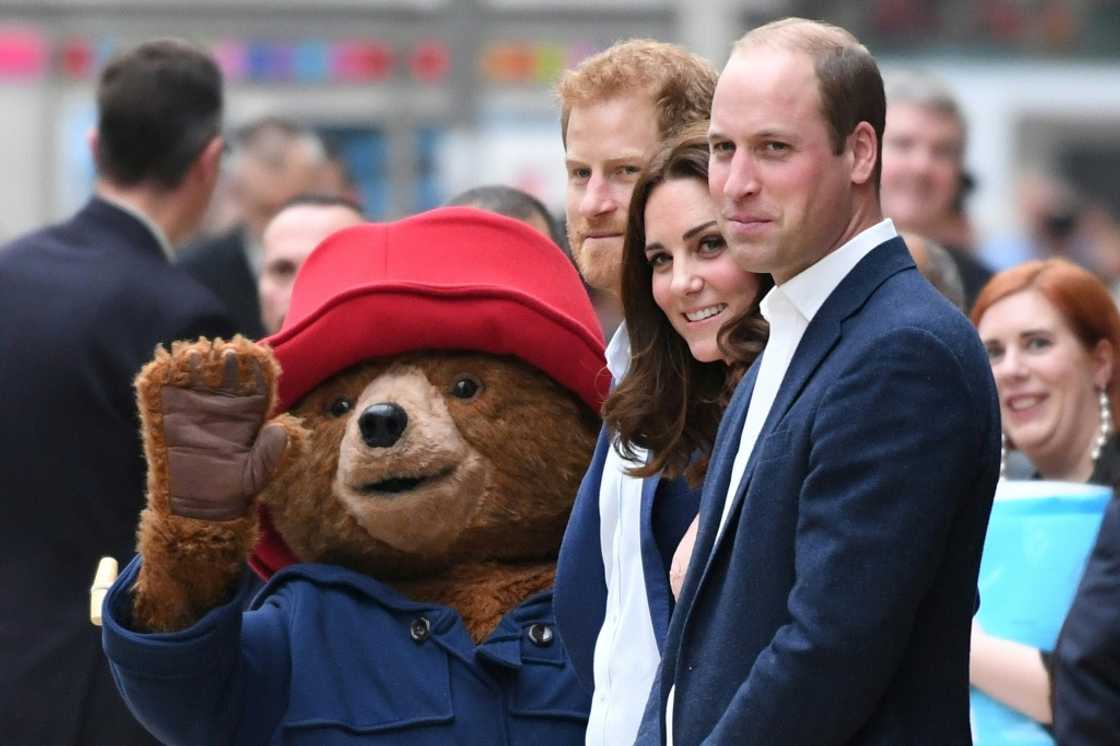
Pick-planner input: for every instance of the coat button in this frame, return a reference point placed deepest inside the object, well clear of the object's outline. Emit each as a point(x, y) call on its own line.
point(540, 635)
point(420, 629)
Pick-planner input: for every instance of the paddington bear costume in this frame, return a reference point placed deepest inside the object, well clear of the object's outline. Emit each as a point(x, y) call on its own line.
point(325, 654)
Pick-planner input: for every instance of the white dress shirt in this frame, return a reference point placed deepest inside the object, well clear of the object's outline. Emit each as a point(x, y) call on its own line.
point(789, 308)
point(626, 654)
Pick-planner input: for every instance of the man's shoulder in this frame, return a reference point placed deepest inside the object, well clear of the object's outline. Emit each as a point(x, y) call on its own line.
point(905, 300)
point(906, 317)
point(29, 246)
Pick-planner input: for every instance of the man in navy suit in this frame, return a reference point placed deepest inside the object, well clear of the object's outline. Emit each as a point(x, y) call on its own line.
point(84, 303)
point(830, 592)
point(612, 596)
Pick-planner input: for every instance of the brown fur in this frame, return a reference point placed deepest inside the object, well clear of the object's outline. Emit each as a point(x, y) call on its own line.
point(523, 442)
point(191, 565)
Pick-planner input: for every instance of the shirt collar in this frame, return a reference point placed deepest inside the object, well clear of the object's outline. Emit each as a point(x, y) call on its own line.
point(618, 353)
point(155, 230)
point(808, 290)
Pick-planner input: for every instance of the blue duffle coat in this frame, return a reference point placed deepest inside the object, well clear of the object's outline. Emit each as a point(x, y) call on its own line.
point(325, 656)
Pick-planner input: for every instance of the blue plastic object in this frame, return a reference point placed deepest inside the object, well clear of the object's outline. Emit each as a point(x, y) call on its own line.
point(1038, 541)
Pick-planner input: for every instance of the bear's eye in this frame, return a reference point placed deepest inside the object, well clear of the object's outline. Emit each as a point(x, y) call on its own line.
point(465, 387)
point(340, 406)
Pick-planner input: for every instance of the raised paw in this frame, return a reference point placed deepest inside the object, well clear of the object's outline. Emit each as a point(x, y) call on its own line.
point(203, 405)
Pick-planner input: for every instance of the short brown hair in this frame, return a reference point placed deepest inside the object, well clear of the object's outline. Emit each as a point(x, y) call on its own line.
point(158, 105)
point(670, 403)
point(851, 86)
point(680, 83)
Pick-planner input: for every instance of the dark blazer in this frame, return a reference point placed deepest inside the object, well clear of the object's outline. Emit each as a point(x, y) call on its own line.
point(580, 592)
point(836, 606)
point(84, 304)
point(221, 265)
point(1085, 665)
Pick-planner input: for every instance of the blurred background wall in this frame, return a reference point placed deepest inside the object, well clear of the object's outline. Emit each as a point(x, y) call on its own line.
point(422, 98)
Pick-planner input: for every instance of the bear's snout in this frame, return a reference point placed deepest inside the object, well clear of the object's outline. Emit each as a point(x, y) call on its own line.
point(382, 424)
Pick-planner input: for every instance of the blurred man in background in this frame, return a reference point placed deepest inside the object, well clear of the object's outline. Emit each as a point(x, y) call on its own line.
point(924, 183)
point(937, 266)
point(288, 240)
point(513, 203)
point(273, 160)
point(84, 304)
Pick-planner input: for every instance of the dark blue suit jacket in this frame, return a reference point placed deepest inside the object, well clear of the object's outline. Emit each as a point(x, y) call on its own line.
point(836, 606)
point(1086, 662)
point(84, 304)
point(220, 264)
point(580, 592)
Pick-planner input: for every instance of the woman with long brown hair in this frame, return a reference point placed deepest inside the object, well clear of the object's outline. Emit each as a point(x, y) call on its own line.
point(692, 316)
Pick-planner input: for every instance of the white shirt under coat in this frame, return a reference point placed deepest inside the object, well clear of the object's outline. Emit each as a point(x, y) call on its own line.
point(626, 653)
point(789, 308)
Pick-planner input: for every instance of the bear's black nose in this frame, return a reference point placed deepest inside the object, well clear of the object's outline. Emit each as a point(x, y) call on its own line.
point(382, 424)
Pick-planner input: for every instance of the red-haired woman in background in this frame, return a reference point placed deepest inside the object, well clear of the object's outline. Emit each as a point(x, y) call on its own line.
point(1053, 335)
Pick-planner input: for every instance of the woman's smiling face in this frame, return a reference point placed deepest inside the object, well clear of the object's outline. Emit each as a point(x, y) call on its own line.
point(1047, 380)
point(695, 282)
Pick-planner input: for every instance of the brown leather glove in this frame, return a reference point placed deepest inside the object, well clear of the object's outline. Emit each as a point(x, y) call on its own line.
point(218, 456)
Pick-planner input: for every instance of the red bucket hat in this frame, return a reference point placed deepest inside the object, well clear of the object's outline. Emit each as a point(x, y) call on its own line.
point(455, 278)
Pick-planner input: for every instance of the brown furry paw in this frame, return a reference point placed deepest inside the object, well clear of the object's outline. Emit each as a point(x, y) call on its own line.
point(201, 408)
point(210, 452)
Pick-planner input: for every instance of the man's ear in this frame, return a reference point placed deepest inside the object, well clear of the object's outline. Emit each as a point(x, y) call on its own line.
point(91, 143)
point(865, 152)
point(209, 161)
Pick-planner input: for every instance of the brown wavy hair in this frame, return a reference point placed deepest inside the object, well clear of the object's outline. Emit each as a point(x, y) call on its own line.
point(670, 403)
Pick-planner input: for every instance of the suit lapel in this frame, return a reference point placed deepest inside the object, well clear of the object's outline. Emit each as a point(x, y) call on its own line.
point(718, 477)
point(653, 569)
point(580, 591)
point(820, 338)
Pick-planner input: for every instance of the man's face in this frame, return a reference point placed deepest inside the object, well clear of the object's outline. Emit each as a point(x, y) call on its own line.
point(608, 143)
point(922, 151)
point(785, 199)
point(287, 242)
point(273, 171)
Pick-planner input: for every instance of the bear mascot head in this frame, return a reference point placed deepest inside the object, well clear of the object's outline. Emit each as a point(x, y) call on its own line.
point(449, 370)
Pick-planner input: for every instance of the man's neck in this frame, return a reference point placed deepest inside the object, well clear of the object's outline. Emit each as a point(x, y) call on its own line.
point(155, 205)
point(866, 213)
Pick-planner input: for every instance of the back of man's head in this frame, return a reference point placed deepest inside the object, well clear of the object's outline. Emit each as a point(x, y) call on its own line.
point(159, 105)
point(679, 83)
point(851, 86)
point(513, 203)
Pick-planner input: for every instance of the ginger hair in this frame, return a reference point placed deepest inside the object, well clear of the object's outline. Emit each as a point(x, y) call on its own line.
point(679, 83)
